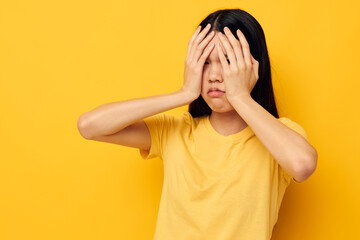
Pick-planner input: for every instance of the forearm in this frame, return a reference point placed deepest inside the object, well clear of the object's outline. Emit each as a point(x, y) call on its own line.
point(112, 117)
point(289, 149)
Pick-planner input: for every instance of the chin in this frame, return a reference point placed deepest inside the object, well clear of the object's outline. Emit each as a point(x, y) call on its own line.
point(220, 104)
point(221, 109)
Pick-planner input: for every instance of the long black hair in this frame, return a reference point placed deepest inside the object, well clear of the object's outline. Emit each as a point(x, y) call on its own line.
point(235, 19)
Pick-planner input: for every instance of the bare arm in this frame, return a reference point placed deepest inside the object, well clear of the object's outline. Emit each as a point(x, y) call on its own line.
point(112, 117)
point(121, 122)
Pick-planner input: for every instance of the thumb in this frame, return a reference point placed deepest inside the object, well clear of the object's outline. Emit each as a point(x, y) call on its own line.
point(252, 59)
point(256, 66)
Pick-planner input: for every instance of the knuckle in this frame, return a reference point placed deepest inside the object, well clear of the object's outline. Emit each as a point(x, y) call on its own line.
point(199, 47)
point(196, 42)
point(193, 65)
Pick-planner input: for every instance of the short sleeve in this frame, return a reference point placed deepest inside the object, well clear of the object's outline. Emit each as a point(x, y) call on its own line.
point(299, 129)
point(294, 126)
point(158, 126)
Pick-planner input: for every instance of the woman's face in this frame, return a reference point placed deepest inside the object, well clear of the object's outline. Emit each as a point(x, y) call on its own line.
point(213, 77)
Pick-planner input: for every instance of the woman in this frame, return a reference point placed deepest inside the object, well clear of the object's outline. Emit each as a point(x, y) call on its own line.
point(229, 159)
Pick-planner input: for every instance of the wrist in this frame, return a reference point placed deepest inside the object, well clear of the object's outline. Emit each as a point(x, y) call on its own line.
point(241, 97)
point(190, 96)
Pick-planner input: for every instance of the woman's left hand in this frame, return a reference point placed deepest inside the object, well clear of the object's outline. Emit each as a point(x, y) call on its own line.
point(241, 74)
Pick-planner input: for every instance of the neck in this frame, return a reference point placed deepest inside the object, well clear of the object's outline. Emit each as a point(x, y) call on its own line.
point(227, 123)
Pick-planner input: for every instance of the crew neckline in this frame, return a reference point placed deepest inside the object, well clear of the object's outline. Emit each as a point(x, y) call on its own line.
point(233, 137)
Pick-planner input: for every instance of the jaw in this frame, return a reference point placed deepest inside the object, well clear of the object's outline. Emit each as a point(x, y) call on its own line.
point(218, 104)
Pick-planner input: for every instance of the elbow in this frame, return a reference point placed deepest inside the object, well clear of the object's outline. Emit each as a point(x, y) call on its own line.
point(308, 166)
point(82, 126)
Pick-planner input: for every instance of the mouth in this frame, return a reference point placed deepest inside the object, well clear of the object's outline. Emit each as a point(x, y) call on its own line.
point(215, 89)
point(215, 93)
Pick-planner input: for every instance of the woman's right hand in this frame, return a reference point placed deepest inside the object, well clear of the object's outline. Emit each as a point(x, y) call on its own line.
point(195, 59)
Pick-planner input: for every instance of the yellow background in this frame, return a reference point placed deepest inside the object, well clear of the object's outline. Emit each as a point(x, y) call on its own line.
point(59, 59)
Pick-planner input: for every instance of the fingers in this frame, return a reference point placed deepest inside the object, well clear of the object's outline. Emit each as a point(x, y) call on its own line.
point(200, 48)
point(222, 57)
point(206, 54)
point(192, 39)
point(245, 47)
point(235, 44)
point(229, 50)
point(195, 42)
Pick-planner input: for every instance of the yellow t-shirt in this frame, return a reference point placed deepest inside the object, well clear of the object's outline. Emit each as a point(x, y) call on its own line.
point(215, 187)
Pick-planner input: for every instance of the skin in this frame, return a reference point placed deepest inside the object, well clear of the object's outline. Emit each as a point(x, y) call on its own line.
point(237, 75)
point(291, 150)
point(224, 118)
point(206, 67)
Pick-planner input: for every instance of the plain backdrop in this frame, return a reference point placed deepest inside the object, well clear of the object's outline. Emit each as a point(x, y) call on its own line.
point(59, 59)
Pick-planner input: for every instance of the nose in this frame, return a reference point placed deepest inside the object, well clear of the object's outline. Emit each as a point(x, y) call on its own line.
point(215, 73)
